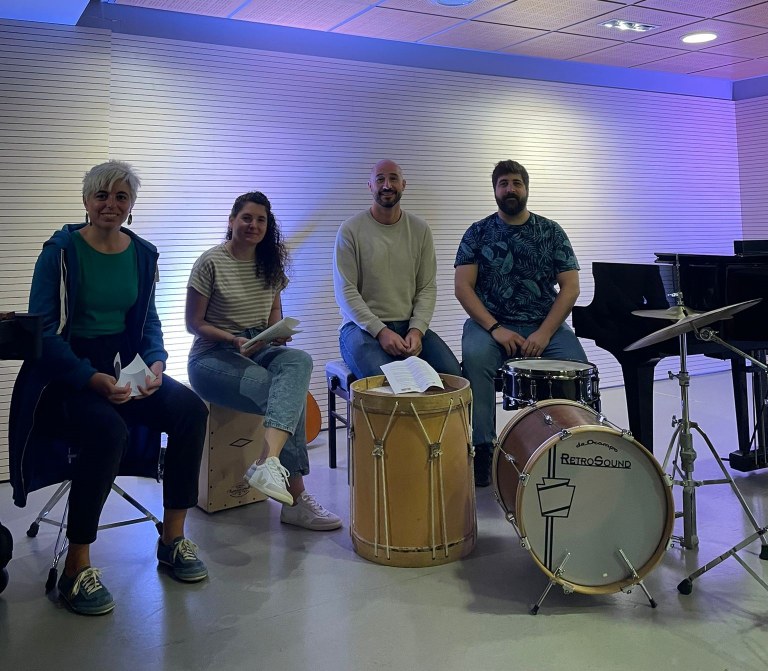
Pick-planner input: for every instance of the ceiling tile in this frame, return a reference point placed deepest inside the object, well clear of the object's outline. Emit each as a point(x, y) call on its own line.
point(395, 24)
point(664, 20)
point(220, 8)
point(753, 47)
point(548, 15)
point(743, 70)
point(431, 7)
point(704, 8)
point(726, 32)
point(483, 36)
point(308, 14)
point(690, 62)
point(756, 15)
point(629, 54)
point(559, 45)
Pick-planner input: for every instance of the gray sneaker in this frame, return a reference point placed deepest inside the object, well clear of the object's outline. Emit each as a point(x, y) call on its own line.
point(181, 557)
point(309, 514)
point(85, 594)
point(271, 479)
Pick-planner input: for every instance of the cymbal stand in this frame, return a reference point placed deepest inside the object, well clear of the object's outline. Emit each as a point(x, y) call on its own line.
point(685, 458)
point(686, 586)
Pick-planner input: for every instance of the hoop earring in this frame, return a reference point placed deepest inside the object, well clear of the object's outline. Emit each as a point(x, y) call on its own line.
point(130, 219)
point(87, 221)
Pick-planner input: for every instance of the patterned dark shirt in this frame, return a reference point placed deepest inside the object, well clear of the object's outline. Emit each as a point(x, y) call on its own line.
point(517, 266)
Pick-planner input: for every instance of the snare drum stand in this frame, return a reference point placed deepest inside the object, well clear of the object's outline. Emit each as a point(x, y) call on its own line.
point(686, 586)
point(685, 454)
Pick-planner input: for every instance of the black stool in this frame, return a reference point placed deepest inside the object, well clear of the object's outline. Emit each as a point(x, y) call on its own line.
point(339, 378)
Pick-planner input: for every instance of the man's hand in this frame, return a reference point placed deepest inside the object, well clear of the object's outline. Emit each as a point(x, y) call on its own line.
point(106, 386)
point(150, 385)
point(392, 343)
point(413, 342)
point(509, 340)
point(535, 344)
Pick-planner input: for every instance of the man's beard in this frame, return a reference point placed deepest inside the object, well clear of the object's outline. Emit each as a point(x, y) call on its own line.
point(512, 206)
point(388, 203)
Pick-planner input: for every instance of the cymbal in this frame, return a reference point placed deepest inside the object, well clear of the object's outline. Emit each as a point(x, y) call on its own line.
point(674, 313)
point(690, 323)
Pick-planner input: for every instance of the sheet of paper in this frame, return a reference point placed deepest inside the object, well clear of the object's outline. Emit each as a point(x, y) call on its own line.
point(285, 328)
point(134, 373)
point(412, 374)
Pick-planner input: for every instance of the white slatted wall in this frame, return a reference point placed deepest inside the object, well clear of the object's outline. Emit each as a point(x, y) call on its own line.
point(752, 129)
point(54, 109)
point(626, 173)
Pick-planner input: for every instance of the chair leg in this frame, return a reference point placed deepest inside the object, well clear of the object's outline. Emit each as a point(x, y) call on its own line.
point(332, 423)
point(35, 526)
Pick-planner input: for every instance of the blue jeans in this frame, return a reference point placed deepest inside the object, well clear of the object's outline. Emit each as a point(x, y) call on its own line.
point(274, 382)
point(483, 357)
point(364, 355)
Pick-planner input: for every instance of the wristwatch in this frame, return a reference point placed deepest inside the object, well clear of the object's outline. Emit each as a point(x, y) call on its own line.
point(491, 329)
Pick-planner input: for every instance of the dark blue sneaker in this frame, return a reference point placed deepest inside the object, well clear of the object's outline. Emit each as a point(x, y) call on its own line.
point(85, 593)
point(181, 557)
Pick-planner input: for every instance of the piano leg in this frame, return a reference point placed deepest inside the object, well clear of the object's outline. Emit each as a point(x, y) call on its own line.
point(638, 386)
point(743, 424)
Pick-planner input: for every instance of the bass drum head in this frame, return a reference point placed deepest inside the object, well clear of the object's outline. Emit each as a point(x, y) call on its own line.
point(589, 495)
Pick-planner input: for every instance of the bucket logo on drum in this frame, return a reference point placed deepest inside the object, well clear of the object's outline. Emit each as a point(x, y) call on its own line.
point(555, 496)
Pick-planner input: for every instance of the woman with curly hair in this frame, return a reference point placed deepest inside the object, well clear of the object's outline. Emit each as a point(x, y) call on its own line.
point(233, 294)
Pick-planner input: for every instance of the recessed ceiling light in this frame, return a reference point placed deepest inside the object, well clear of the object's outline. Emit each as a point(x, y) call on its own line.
point(454, 3)
point(620, 24)
point(698, 38)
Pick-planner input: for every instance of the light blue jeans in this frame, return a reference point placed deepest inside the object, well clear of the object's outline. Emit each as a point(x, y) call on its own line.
point(364, 355)
point(482, 357)
point(274, 382)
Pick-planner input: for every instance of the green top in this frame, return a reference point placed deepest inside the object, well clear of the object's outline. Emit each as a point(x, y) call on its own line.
point(109, 286)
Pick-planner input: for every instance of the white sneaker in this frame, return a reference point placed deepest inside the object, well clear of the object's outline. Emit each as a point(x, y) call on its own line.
point(271, 479)
point(309, 514)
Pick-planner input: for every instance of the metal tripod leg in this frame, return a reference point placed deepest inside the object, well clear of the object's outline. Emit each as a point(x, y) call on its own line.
point(558, 572)
point(686, 586)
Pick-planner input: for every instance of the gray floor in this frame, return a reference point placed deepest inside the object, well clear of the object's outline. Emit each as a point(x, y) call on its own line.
point(283, 598)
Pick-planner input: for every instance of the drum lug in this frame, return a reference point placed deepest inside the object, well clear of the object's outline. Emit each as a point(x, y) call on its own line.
point(567, 589)
point(524, 478)
point(668, 479)
point(548, 420)
point(524, 543)
point(565, 434)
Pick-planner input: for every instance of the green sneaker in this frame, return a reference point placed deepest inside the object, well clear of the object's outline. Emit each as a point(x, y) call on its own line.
point(181, 557)
point(85, 594)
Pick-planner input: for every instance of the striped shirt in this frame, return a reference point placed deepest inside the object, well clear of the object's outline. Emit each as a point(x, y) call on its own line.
point(237, 299)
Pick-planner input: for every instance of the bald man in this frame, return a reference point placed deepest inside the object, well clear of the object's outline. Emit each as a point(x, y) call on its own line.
point(384, 278)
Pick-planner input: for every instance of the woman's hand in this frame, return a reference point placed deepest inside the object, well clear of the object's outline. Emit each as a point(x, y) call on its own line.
point(106, 386)
point(150, 385)
point(239, 341)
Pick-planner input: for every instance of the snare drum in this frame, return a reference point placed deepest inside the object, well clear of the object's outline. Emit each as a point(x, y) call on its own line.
point(526, 381)
point(411, 478)
point(580, 494)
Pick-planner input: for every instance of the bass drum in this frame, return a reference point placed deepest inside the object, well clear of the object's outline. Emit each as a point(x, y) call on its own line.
point(579, 494)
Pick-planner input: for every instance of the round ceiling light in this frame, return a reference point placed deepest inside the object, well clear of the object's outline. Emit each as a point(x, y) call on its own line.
point(699, 38)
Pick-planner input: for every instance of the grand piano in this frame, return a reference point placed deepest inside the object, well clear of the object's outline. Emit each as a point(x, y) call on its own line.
point(707, 282)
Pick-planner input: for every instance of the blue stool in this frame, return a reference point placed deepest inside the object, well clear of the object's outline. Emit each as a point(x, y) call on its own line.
point(339, 378)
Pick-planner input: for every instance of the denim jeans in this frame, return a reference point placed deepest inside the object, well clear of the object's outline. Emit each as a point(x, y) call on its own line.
point(274, 382)
point(364, 355)
point(483, 357)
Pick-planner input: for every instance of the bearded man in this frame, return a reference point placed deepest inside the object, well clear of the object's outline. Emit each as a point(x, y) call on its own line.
point(507, 269)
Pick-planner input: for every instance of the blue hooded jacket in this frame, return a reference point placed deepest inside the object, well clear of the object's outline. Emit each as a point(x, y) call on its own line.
point(36, 460)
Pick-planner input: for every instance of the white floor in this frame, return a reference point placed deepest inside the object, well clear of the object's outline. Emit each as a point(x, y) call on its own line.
point(285, 599)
